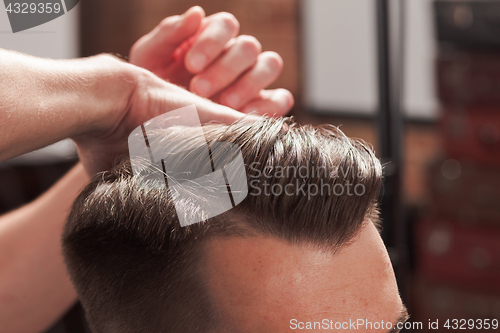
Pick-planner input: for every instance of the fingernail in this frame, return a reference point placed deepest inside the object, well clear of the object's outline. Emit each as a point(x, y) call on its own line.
point(202, 87)
point(232, 100)
point(197, 61)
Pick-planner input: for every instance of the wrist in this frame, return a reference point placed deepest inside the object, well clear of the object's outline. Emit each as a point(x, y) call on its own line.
point(106, 86)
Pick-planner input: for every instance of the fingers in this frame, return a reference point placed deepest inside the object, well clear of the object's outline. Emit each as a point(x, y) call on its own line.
point(276, 102)
point(218, 29)
point(229, 70)
point(157, 46)
point(267, 68)
point(241, 55)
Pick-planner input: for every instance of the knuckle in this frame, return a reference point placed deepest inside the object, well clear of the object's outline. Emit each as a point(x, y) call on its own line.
point(168, 22)
point(137, 50)
point(273, 61)
point(135, 47)
point(230, 21)
point(247, 89)
point(209, 45)
point(109, 58)
point(250, 45)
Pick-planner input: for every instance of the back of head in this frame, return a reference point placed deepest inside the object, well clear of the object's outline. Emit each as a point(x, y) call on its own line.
point(137, 270)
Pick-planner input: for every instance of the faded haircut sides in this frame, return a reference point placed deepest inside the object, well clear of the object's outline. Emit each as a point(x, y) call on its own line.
point(136, 270)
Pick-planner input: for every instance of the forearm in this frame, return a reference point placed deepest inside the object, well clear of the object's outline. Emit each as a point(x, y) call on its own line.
point(34, 286)
point(43, 101)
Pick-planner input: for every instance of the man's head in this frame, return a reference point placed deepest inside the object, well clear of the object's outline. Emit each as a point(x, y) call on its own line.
point(302, 247)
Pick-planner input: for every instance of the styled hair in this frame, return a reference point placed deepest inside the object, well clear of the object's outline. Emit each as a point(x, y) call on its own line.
point(137, 270)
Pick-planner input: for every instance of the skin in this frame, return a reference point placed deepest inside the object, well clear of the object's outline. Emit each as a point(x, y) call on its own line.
point(35, 288)
point(259, 284)
point(97, 102)
point(206, 55)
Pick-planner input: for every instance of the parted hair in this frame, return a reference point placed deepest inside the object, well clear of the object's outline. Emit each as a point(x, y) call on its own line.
point(137, 270)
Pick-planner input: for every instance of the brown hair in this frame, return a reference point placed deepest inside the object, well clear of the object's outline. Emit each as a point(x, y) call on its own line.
point(136, 270)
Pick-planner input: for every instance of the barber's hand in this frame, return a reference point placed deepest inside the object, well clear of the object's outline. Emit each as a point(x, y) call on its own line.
point(131, 96)
point(203, 54)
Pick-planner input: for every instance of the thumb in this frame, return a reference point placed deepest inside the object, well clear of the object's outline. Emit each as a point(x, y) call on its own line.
point(167, 36)
point(171, 97)
point(209, 111)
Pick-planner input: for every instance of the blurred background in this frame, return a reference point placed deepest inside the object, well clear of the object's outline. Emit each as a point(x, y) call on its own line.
point(442, 194)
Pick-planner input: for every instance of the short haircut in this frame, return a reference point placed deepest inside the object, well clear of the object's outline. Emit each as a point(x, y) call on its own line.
point(136, 270)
